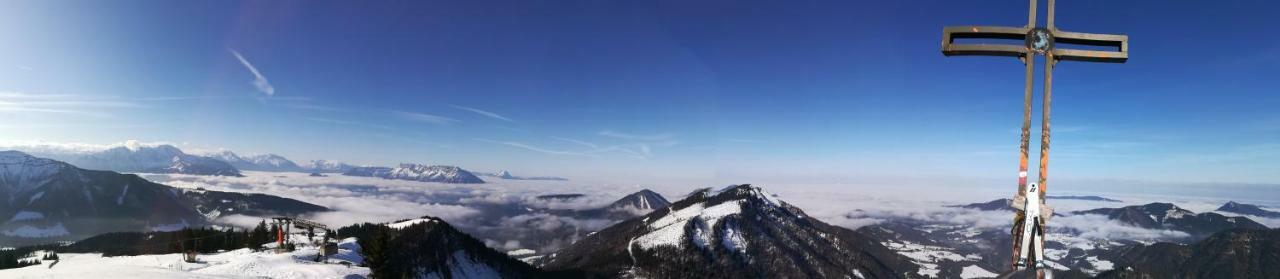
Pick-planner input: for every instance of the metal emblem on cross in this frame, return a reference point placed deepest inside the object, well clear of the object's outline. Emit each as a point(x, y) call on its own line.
point(1044, 41)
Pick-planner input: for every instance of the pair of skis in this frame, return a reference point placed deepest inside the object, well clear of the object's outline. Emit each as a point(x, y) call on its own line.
point(1029, 222)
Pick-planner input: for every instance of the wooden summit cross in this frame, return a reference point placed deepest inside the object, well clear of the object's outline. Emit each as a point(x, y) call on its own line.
point(1036, 40)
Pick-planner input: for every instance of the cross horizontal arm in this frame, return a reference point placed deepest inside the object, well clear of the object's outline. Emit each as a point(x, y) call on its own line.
point(1119, 42)
point(950, 34)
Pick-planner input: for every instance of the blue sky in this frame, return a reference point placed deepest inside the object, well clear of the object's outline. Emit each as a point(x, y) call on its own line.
point(700, 91)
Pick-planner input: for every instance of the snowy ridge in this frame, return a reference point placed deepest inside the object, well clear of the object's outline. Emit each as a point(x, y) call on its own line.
point(410, 222)
point(418, 172)
point(18, 170)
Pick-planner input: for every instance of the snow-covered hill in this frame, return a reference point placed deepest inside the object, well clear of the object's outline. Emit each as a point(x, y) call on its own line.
point(737, 232)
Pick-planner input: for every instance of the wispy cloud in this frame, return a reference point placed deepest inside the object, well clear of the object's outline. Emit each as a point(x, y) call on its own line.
point(534, 148)
point(638, 137)
point(425, 118)
point(635, 150)
point(350, 123)
point(638, 150)
point(578, 142)
point(62, 104)
point(259, 80)
point(310, 106)
point(483, 112)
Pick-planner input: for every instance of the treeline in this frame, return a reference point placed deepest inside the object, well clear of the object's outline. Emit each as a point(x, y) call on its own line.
point(14, 259)
point(425, 248)
point(200, 240)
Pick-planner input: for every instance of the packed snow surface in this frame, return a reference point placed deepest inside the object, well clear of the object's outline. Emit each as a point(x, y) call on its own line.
point(974, 271)
point(241, 263)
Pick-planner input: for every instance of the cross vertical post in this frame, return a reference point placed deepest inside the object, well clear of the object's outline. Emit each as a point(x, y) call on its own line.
point(1036, 41)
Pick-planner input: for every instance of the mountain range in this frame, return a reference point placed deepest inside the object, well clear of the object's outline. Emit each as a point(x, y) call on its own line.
point(132, 156)
point(1169, 216)
point(508, 175)
point(45, 199)
point(418, 172)
point(261, 162)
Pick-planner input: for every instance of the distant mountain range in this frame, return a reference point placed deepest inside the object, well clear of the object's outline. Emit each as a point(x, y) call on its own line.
point(1169, 216)
point(737, 232)
point(1003, 204)
point(276, 163)
point(133, 156)
point(507, 175)
point(262, 162)
point(325, 166)
point(48, 199)
point(418, 172)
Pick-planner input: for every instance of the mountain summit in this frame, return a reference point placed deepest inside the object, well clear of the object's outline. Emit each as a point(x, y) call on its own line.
point(1248, 209)
point(741, 231)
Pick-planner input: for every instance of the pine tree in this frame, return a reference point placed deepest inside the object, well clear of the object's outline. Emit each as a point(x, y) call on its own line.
point(259, 236)
point(376, 254)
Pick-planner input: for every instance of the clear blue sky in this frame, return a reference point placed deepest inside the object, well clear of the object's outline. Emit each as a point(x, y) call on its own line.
point(698, 90)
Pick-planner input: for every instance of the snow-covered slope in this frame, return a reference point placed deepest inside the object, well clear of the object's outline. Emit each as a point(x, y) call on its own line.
point(737, 232)
point(241, 263)
point(417, 172)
